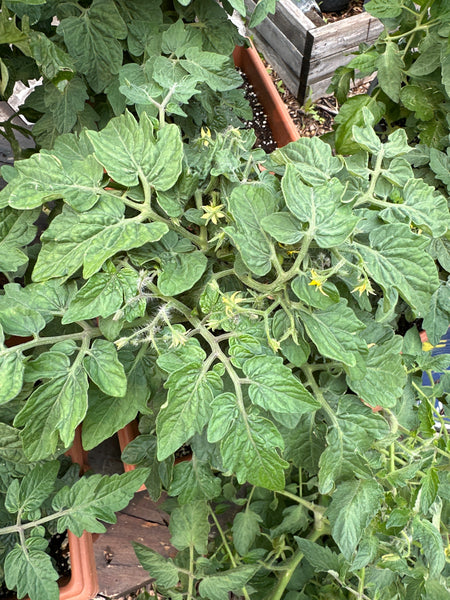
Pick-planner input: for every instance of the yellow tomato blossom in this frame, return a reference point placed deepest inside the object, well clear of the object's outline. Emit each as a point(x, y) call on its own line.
point(213, 213)
point(318, 281)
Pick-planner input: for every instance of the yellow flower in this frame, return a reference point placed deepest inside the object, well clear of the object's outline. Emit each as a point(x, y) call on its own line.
point(364, 286)
point(205, 134)
point(318, 281)
point(213, 213)
point(178, 338)
point(232, 303)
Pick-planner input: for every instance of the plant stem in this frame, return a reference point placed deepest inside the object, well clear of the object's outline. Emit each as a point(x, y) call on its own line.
point(294, 562)
point(92, 332)
point(226, 546)
point(319, 510)
point(191, 573)
point(24, 526)
point(320, 397)
point(375, 174)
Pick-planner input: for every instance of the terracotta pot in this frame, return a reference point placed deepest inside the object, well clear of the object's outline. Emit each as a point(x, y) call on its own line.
point(83, 583)
point(281, 124)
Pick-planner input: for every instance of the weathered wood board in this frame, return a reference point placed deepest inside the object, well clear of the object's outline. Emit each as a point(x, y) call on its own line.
point(118, 569)
point(304, 50)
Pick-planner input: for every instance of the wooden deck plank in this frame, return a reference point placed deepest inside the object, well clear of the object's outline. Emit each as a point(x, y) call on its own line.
point(118, 569)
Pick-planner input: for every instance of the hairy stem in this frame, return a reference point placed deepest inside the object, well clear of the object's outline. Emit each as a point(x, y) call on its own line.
point(91, 332)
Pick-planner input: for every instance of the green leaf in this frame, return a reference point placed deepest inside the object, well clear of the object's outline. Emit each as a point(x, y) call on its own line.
point(11, 445)
point(334, 331)
point(295, 519)
point(249, 204)
point(102, 295)
point(390, 67)
point(89, 238)
point(93, 42)
point(295, 350)
point(420, 100)
point(432, 545)
point(219, 585)
point(159, 568)
point(440, 165)
point(365, 136)
point(189, 526)
point(56, 406)
point(397, 258)
point(16, 231)
point(328, 295)
point(428, 489)
point(262, 8)
point(356, 431)
point(10, 33)
point(330, 221)
point(94, 499)
point(353, 505)
point(250, 450)
point(225, 412)
point(422, 207)
point(397, 144)
point(384, 9)
point(177, 38)
point(104, 368)
point(445, 68)
point(245, 529)
point(11, 375)
point(142, 375)
point(48, 365)
point(313, 158)
point(193, 480)
point(50, 58)
point(44, 177)
point(436, 590)
point(65, 101)
point(284, 227)
point(351, 114)
point(177, 358)
point(105, 416)
point(385, 375)
point(436, 321)
point(34, 488)
point(129, 152)
point(180, 271)
point(187, 409)
point(31, 573)
point(304, 444)
point(321, 558)
point(274, 388)
point(26, 310)
point(215, 70)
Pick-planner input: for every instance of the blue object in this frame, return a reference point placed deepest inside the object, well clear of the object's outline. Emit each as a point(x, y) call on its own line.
point(443, 347)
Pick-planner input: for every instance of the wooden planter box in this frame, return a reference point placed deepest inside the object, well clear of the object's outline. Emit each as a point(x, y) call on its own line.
point(304, 50)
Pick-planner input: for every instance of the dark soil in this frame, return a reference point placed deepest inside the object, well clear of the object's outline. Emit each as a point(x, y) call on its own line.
point(259, 123)
point(355, 7)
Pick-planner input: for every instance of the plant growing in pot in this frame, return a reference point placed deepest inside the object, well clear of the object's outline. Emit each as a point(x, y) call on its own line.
point(95, 59)
point(246, 312)
point(411, 90)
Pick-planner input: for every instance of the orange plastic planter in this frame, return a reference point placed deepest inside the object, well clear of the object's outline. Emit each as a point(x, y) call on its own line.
point(281, 124)
point(83, 583)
